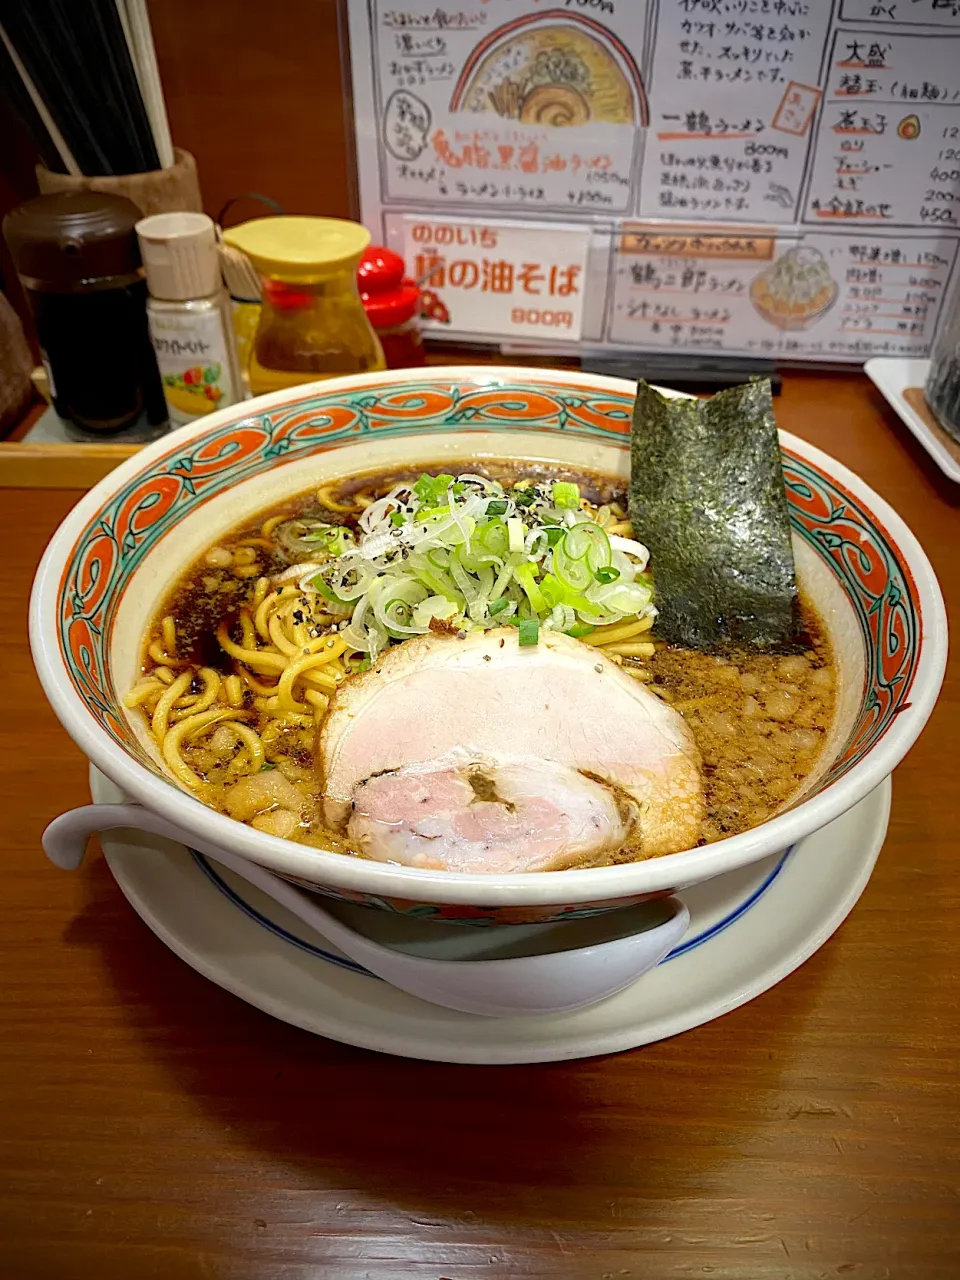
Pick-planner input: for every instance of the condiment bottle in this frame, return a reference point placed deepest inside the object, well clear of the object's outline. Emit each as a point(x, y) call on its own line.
point(942, 388)
point(312, 322)
point(189, 314)
point(246, 298)
point(392, 303)
point(77, 257)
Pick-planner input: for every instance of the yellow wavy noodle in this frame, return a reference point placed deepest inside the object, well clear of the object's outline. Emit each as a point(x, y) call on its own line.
point(161, 716)
point(326, 499)
point(213, 729)
point(233, 691)
point(160, 656)
point(173, 739)
point(192, 703)
point(631, 650)
point(254, 748)
point(265, 690)
point(617, 632)
point(144, 691)
point(259, 593)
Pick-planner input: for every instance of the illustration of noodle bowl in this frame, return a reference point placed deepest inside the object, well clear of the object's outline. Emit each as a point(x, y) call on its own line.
point(795, 290)
point(555, 69)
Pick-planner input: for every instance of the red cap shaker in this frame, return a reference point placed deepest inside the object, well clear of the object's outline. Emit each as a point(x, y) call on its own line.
point(392, 303)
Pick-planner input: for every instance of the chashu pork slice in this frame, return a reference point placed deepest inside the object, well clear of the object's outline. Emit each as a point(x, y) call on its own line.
point(478, 754)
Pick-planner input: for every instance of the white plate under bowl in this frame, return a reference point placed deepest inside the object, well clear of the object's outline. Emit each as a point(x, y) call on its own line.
point(892, 376)
point(748, 930)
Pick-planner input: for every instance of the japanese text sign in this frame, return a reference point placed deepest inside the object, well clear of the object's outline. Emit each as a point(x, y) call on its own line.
point(778, 178)
point(523, 281)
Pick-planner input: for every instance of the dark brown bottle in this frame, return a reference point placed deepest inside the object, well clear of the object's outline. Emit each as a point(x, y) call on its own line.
point(79, 263)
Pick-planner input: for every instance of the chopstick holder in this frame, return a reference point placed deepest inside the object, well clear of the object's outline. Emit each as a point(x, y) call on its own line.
point(159, 191)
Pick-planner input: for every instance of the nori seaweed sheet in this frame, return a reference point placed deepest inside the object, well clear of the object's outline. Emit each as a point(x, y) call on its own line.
point(707, 498)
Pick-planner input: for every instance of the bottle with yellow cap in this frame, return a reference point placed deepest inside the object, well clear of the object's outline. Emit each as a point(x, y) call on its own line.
point(312, 323)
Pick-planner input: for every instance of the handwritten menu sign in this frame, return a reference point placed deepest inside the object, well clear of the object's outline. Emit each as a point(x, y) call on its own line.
point(770, 177)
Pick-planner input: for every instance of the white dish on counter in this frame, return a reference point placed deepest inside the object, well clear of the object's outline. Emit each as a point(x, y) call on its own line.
point(892, 377)
point(749, 929)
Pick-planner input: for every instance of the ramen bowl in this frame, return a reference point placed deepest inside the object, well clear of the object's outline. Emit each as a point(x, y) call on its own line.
point(116, 555)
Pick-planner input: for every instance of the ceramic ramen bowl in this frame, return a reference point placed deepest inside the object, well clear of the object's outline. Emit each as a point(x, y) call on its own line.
point(117, 553)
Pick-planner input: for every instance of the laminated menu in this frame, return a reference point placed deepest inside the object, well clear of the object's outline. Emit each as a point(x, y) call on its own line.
point(778, 178)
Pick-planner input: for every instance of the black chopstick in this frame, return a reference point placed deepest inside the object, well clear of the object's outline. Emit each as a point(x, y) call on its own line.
point(76, 53)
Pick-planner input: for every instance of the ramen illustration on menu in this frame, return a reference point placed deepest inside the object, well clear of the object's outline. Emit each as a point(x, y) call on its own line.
point(554, 73)
point(796, 290)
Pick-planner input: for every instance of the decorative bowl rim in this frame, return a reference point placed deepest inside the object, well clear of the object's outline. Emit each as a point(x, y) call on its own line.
point(333, 870)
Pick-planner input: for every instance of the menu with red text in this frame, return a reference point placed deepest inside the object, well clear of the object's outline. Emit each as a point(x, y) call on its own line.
point(777, 178)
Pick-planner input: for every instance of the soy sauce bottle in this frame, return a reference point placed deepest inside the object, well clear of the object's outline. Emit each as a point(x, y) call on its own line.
point(78, 259)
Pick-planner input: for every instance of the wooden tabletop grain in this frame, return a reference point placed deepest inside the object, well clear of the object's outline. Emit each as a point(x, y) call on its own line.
point(151, 1125)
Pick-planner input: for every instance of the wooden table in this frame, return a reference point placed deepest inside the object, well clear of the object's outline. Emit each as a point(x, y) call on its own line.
point(155, 1126)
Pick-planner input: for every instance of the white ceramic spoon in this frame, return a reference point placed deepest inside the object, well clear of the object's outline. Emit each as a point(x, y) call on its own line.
point(549, 982)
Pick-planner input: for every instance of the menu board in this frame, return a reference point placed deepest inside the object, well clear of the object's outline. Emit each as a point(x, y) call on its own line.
point(775, 178)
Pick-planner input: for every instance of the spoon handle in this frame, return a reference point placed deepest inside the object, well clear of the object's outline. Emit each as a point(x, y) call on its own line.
point(538, 984)
point(65, 840)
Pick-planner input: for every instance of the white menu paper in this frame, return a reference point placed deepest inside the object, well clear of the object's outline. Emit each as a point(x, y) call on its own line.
point(754, 177)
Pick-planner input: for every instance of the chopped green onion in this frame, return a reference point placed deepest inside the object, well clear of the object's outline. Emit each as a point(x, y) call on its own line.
point(554, 593)
point(334, 538)
point(434, 607)
point(493, 537)
point(525, 575)
point(327, 592)
point(467, 550)
point(582, 550)
point(432, 489)
point(503, 579)
point(431, 513)
point(529, 631)
point(566, 496)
